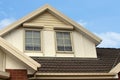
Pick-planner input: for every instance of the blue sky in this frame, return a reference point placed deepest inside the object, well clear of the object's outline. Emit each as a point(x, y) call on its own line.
point(101, 17)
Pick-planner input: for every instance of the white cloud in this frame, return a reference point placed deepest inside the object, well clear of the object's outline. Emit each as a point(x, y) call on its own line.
point(110, 39)
point(6, 22)
point(82, 22)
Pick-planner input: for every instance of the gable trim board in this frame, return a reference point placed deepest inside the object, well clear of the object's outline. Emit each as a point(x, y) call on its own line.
point(18, 54)
point(115, 69)
point(78, 27)
point(4, 75)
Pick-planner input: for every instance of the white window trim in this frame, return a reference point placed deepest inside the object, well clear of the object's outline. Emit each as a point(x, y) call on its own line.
point(41, 45)
point(71, 37)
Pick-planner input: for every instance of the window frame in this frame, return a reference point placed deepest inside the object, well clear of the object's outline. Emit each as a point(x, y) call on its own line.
point(71, 38)
point(25, 29)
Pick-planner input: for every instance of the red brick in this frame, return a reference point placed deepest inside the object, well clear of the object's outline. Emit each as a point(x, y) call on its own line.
point(17, 74)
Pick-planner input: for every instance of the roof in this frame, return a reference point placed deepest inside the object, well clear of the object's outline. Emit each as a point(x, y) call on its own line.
point(107, 59)
point(10, 49)
point(78, 27)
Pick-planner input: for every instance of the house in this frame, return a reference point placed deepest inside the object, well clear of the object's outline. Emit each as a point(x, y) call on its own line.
point(47, 45)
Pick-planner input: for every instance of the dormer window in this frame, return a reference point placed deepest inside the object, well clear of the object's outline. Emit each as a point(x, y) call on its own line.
point(63, 40)
point(32, 40)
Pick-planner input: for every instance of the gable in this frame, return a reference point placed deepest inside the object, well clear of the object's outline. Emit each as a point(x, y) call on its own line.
point(56, 13)
point(47, 18)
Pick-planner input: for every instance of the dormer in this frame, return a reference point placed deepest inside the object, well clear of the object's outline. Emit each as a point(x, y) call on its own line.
point(48, 33)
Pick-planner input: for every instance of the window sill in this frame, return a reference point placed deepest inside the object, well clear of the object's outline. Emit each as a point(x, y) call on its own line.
point(27, 51)
point(68, 52)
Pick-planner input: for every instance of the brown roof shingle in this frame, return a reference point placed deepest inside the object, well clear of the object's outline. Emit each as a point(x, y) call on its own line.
point(107, 59)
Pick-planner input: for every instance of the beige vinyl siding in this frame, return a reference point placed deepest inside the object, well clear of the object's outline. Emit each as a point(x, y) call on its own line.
point(83, 47)
point(47, 19)
point(89, 48)
point(15, 37)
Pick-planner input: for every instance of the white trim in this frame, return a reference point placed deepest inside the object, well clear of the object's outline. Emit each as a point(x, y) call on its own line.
point(4, 75)
point(33, 25)
point(80, 74)
point(72, 78)
point(116, 69)
point(18, 54)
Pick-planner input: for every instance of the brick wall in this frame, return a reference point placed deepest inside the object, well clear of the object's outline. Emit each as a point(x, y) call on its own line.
point(17, 74)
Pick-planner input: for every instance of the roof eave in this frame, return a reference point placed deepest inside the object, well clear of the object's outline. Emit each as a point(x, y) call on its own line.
point(81, 76)
point(18, 54)
point(73, 73)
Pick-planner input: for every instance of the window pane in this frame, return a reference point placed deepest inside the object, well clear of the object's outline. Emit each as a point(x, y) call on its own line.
point(28, 40)
point(36, 41)
point(68, 48)
point(36, 34)
point(67, 35)
point(63, 41)
point(28, 34)
point(67, 42)
point(60, 42)
point(32, 40)
point(37, 48)
point(60, 48)
point(59, 35)
point(29, 47)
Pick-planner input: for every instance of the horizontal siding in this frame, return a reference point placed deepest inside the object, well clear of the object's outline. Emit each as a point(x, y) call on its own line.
point(47, 18)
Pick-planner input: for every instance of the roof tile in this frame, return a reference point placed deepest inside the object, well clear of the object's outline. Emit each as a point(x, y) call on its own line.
point(107, 59)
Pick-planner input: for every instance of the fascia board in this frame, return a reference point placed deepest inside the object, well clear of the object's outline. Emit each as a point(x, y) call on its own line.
point(115, 69)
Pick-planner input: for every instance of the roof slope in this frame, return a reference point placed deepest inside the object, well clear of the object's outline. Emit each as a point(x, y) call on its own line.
point(107, 59)
point(56, 13)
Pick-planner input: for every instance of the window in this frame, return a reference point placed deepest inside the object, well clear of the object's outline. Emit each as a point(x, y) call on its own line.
point(32, 40)
point(63, 41)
